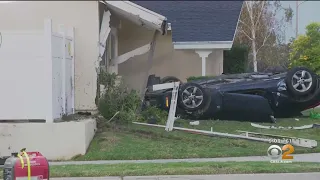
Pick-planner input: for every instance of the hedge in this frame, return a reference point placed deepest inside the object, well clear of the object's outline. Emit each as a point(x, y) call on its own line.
point(235, 60)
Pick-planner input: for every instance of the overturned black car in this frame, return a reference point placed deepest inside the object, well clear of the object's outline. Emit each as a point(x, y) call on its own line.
point(245, 97)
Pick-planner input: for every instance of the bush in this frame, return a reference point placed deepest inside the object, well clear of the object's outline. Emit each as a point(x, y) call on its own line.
point(305, 50)
point(118, 98)
point(235, 60)
point(154, 115)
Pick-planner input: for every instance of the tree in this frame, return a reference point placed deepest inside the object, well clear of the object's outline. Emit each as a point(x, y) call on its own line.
point(274, 56)
point(260, 28)
point(305, 50)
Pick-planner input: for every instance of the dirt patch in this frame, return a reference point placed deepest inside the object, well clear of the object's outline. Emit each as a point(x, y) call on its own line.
point(146, 134)
point(76, 117)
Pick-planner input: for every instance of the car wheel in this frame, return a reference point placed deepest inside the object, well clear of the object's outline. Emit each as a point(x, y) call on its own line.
point(301, 81)
point(169, 79)
point(192, 97)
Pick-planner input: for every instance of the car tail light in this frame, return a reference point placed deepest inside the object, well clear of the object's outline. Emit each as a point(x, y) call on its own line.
point(167, 102)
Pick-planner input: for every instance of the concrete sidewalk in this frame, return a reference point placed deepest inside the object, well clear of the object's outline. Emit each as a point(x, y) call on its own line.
point(280, 176)
point(312, 157)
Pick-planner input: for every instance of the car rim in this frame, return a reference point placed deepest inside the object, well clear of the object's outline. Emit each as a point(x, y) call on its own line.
point(302, 81)
point(192, 97)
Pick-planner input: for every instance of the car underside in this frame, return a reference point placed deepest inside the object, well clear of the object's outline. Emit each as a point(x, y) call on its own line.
point(244, 97)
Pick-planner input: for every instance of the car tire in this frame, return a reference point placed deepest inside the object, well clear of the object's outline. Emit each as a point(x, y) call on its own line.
point(192, 97)
point(300, 81)
point(169, 79)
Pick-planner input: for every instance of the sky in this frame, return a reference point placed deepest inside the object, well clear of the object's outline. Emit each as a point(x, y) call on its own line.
point(309, 11)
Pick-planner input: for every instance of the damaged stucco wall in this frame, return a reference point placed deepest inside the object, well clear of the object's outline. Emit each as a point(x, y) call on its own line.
point(166, 60)
point(83, 16)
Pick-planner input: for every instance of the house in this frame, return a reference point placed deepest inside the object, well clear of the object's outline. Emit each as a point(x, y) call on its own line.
point(182, 38)
point(196, 35)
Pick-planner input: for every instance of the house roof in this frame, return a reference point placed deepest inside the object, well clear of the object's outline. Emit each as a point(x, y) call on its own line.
point(195, 21)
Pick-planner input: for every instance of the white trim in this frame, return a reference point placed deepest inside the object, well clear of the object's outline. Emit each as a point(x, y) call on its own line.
point(225, 45)
point(139, 51)
point(235, 32)
point(138, 14)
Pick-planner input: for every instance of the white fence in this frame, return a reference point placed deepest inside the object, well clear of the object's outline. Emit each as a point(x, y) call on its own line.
point(37, 74)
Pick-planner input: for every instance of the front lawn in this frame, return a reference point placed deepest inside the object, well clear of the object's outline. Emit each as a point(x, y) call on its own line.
point(140, 142)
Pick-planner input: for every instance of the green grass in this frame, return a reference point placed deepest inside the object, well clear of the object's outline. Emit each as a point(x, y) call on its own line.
point(140, 142)
point(179, 168)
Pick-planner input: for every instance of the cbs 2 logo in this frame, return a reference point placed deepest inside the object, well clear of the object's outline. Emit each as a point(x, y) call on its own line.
point(285, 151)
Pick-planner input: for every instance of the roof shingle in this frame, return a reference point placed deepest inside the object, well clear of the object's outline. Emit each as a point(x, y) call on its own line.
point(198, 20)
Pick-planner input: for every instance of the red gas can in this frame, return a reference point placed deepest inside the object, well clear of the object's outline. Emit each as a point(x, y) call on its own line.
point(16, 168)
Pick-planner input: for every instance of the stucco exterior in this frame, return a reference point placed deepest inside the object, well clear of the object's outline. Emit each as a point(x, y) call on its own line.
point(83, 16)
point(166, 61)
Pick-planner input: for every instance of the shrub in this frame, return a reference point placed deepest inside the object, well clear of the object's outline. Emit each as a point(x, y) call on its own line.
point(154, 115)
point(118, 98)
point(235, 60)
point(305, 50)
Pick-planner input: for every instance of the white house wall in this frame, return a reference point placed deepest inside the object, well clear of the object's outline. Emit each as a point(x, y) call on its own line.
point(83, 15)
point(22, 73)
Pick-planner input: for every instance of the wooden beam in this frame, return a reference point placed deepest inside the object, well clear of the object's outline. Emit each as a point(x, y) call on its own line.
point(150, 61)
point(139, 51)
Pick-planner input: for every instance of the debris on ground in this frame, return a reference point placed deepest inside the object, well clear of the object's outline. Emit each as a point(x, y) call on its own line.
point(278, 139)
point(253, 136)
point(309, 126)
point(194, 123)
point(314, 115)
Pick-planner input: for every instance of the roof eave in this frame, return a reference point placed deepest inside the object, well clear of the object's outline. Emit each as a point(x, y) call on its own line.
point(139, 14)
point(223, 45)
point(235, 32)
